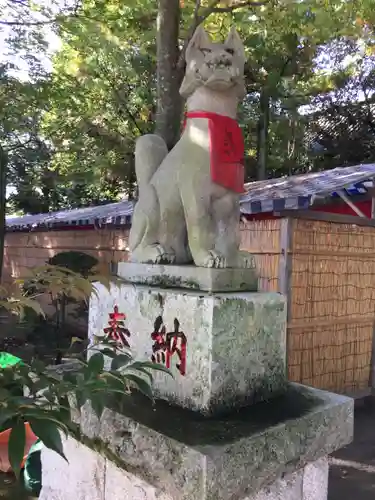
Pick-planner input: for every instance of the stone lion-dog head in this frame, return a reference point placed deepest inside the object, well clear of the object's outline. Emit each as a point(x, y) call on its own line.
point(215, 66)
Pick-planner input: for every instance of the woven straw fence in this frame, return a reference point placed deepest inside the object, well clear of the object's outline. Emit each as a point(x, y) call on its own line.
point(332, 305)
point(26, 250)
point(262, 239)
point(331, 297)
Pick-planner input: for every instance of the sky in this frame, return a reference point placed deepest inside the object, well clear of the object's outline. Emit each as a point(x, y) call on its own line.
point(22, 67)
point(53, 40)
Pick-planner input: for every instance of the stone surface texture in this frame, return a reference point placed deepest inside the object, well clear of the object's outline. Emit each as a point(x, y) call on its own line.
point(90, 476)
point(122, 485)
point(309, 483)
point(230, 458)
point(80, 479)
point(183, 215)
point(191, 277)
point(315, 480)
point(235, 341)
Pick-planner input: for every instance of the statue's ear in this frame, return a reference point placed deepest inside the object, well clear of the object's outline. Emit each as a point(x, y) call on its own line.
point(199, 41)
point(234, 42)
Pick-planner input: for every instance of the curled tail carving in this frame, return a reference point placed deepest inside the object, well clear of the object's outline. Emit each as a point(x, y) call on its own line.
point(150, 151)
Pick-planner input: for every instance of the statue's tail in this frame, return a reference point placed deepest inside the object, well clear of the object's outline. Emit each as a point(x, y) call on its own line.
point(150, 151)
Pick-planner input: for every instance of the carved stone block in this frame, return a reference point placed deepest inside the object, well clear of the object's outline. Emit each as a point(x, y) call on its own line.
point(224, 349)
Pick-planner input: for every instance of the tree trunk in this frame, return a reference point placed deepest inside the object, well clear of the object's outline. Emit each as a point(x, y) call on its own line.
point(169, 102)
point(263, 127)
point(292, 149)
point(3, 168)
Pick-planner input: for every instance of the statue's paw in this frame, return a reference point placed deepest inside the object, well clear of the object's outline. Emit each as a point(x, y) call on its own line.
point(245, 260)
point(211, 259)
point(155, 254)
point(165, 257)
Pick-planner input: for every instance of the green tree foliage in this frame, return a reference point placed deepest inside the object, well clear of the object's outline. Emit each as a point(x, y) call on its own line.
point(118, 69)
point(341, 130)
point(101, 96)
point(35, 182)
point(21, 108)
point(105, 76)
point(285, 43)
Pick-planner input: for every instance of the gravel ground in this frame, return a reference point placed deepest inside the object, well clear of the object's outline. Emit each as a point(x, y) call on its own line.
point(352, 470)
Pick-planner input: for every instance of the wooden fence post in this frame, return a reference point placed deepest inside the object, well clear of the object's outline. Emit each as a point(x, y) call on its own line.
point(372, 367)
point(285, 269)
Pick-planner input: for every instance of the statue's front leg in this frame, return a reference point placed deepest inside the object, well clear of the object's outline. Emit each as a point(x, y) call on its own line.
point(144, 242)
point(200, 226)
point(227, 215)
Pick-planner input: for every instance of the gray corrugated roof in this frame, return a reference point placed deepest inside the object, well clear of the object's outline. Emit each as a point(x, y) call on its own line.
point(262, 196)
point(113, 213)
point(297, 191)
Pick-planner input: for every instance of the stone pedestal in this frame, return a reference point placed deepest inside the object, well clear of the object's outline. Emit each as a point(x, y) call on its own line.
point(234, 342)
point(227, 427)
point(105, 481)
point(272, 451)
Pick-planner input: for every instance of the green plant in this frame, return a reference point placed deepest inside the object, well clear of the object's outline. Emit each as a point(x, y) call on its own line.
point(70, 263)
point(79, 262)
point(50, 397)
point(47, 406)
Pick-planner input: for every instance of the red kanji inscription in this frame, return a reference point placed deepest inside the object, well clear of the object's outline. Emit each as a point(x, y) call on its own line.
point(116, 328)
point(228, 145)
point(159, 348)
point(167, 344)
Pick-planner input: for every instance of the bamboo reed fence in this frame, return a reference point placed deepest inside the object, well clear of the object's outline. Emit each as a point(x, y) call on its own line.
point(327, 269)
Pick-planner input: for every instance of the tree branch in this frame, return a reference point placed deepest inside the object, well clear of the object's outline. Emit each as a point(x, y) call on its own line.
point(197, 7)
point(69, 13)
point(31, 23)
point(199, 19)
point(239, 5)
point(19, 145)
point(96, 130)
point(121, 102)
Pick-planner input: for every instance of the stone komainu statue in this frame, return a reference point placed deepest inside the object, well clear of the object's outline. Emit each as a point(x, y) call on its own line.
point(188, 207)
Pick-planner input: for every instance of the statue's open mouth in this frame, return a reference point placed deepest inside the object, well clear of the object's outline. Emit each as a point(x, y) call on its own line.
point(222, 78)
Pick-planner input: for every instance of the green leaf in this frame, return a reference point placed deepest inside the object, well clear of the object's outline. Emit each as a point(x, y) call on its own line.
point(64, 408)
point(135, 371)
point(71, 378)
point(107, 352)
point(23, 401)
point(141, 385)
point(49, 416)
point(16, 446)
point(49, 434)
point(32, 304)
point(152, 366)
point(81, 396)
point(96, 364)
point(112, 376)
point(4, 394)
point(6, 416)
point(119, 361)
point(50, 395)
point(113, 382)
point(41, 384)
point(97, 404)
point(38, 366)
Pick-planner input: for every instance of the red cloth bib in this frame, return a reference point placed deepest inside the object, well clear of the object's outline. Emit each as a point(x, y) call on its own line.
point(226, 150)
